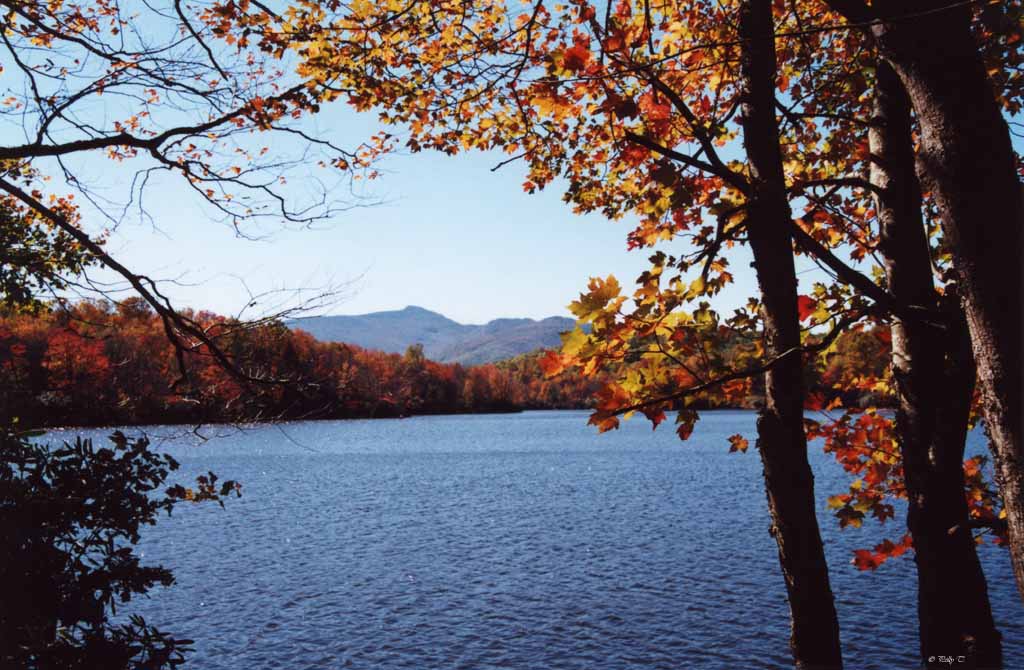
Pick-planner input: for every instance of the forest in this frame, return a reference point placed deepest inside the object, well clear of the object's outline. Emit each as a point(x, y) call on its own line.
point(100, 363)
point(876, 144)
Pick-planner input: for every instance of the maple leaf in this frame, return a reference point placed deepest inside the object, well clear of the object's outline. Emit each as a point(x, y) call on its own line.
point(634, 154)
point(573, 342)
point(602, 291)
point(614, 42)
point(870, 559)
point(738, 443)
point(604, 421)
point(576, 58)
point(655, 414)
point(837, 501)
point(686, 419)
point(805, 306)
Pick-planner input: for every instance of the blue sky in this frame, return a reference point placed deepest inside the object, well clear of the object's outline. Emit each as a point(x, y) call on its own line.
point(449, 235)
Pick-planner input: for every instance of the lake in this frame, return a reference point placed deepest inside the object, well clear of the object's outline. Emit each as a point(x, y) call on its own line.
point(521, 541)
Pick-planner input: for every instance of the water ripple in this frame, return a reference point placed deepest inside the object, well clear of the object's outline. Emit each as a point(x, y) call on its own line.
point(523, 541)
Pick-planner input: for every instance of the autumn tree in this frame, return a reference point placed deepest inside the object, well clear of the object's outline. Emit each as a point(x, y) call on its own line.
point(933, 373)
point(142, 92)
point(969, 164)
point(639, 108)
point(933, 366)
point(466, 88)
point(866, 196)
point(632, 108)
point(781, 439)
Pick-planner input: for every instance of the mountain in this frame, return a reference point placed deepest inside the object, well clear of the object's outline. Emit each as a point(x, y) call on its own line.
point(443, 340)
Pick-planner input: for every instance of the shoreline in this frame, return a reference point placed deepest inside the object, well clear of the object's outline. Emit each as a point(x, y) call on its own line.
point(268, 422)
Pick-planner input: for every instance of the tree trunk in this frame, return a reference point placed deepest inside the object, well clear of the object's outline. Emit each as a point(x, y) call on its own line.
point(934, 373)
point(781, 442)
point(969, 167)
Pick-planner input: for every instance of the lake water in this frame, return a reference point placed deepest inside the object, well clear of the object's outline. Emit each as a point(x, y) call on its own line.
point(522, 541)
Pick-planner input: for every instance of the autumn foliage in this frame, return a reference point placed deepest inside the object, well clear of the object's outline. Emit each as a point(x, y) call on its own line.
point(101, 363)
point(708, 125)
point(98, 363)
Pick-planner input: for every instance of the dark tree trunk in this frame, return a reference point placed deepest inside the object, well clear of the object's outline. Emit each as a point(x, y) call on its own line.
point(782, 443)
point(934, 372)
point(969, 167)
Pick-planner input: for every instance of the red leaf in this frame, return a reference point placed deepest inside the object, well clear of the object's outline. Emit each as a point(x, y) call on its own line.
point(806, 306)
point(635, 154)
point(814, 401)
point(870, 559)
point(686, 419)
point(655, 414)
point(865, 559)
point(603, 421)
point(577, 57)
point(684, 431)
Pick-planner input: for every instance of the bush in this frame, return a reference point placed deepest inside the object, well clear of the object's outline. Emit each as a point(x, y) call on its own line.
point(69, 520)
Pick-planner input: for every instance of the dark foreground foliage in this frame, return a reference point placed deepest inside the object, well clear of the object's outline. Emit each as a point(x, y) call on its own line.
point(69, 519)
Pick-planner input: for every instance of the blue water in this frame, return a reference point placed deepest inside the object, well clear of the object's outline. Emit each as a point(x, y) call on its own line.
point(509, 541)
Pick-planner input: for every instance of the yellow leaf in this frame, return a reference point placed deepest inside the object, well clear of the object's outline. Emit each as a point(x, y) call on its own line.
point(573, 341)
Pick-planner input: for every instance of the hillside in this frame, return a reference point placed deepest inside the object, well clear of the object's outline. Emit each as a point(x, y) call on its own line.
point(443, 340)
point(100, 364)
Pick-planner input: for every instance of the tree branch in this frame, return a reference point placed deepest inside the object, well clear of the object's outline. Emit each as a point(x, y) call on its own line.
point(824, 343)
point(174, 323)
point(728, 176)
point(855, 182)
point(854, 11)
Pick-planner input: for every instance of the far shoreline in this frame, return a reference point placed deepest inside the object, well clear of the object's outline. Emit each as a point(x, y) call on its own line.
point(291, 420)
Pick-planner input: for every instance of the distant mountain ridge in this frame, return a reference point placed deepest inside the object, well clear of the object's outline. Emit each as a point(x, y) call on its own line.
point(443, 339)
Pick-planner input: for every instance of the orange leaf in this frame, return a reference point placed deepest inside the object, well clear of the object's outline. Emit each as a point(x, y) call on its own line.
point(738, 443)
point(864, 559)
point(552, 363)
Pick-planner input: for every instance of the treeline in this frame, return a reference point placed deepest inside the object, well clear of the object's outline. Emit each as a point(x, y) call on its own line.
point(103, 363)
